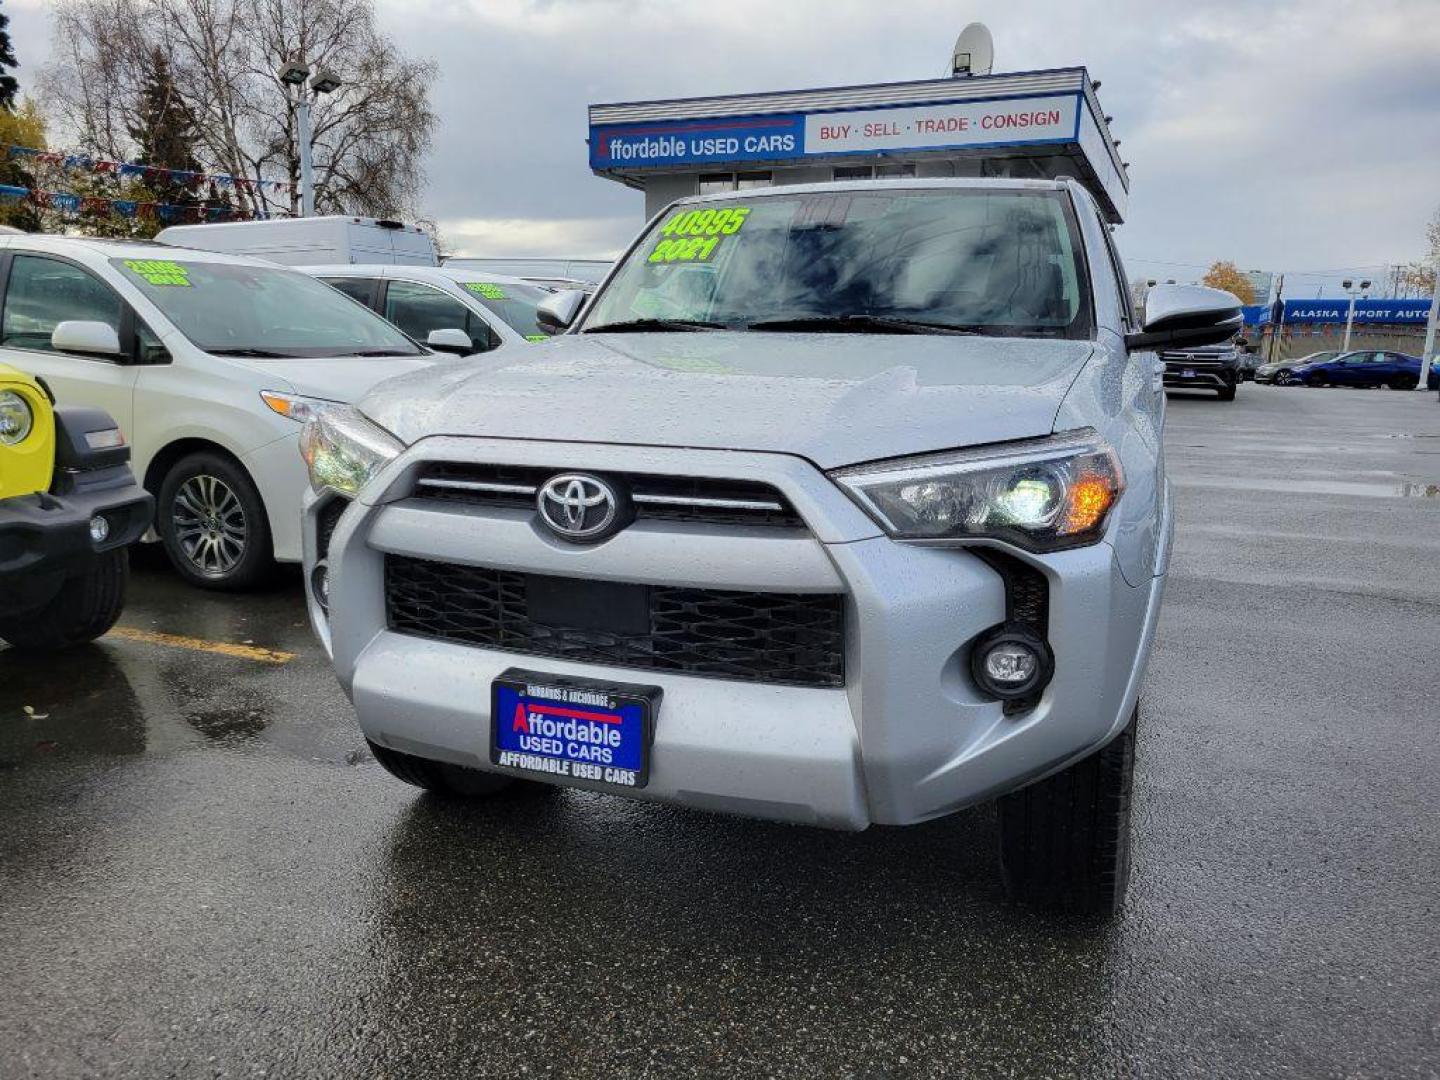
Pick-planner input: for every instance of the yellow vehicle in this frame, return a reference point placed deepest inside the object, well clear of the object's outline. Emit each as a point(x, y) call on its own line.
point(69, 505)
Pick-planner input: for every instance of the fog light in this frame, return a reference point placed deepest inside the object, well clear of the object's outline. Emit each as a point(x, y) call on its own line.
point(1011, 662)
point(99, 529)
point(320, 587)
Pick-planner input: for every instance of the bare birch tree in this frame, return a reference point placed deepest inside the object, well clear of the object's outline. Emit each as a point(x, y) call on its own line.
point(370, 136)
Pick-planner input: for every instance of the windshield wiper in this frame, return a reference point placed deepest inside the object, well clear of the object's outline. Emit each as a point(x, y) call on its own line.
point(628, 325)
point(265, 354)
point(863, 322)
point(379, 352)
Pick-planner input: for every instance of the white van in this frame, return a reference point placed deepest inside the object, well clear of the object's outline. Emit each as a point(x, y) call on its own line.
point(307, 241)
point(209, 364)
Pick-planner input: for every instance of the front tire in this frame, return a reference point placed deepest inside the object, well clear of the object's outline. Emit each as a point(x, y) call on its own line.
point(454, 781)
point(86, 606)
point(1065, 841)
point(212, 522)
point(1228, 394)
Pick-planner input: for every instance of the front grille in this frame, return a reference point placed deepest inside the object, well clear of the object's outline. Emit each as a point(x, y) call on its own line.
point(656, 497)
point(790, 638)
point(1194, 365)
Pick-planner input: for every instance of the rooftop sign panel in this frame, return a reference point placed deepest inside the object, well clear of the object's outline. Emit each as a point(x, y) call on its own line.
point(1044, 116)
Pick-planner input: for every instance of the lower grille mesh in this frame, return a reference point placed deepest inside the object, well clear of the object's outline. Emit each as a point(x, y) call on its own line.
point(787, 638)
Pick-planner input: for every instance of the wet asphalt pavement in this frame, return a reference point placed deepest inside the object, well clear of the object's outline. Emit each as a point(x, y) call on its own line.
point(202, 872)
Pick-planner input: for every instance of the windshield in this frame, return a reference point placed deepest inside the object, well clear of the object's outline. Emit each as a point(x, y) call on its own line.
point(515, 304)
point(898, 260)
point(241, 309)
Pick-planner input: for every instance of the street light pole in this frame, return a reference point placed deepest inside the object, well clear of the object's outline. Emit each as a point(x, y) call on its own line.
point(294, 75)
point(1427, 357)
point(307, 163)
point(1350, 315)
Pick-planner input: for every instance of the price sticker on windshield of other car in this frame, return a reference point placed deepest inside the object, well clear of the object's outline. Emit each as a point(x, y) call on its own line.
point(489, 290)
point(695, 235)
point(159, 272)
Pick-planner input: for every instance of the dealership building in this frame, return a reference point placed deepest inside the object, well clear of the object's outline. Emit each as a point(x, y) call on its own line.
point(1035, 124)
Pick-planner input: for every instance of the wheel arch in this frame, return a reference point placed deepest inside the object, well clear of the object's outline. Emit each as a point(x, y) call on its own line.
point(171, 453)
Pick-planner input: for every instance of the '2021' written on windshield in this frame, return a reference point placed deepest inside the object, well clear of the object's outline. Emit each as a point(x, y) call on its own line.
point(694, 235)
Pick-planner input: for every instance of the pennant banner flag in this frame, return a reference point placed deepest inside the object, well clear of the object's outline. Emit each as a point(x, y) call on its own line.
point(69, 203)
point(185, 177)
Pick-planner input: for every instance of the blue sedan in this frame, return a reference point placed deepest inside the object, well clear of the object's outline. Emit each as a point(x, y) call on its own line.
point(1366, 367)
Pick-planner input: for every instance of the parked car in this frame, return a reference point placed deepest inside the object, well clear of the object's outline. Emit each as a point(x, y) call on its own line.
point(1206, 367)
point(586, 272)
point(1279, 371)
point(1249, 360)
point(209, 363)
point(69, 505)
point(487, 311)
point(1362, 368)
point(331, 238)
point(793, 521)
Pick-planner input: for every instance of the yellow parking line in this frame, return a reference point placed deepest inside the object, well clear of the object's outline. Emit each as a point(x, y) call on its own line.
point(176, 641)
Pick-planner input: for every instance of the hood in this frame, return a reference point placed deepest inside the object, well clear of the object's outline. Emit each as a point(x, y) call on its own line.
point(836, 399)
point(341, 378)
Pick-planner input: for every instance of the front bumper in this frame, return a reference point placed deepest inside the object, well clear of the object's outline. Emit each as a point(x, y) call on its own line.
point(45, 537)
point(909, 737)
point(1202, 375)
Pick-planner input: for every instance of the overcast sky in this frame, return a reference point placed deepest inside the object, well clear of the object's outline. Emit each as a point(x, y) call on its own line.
point(1299, 136)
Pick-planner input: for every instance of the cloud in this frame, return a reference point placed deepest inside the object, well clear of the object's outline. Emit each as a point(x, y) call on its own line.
point(583, 238)
point(1290, 134)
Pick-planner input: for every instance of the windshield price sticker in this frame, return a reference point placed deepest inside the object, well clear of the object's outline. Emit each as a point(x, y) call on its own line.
point(488, 290)
point(693, 235)
point(159, 272)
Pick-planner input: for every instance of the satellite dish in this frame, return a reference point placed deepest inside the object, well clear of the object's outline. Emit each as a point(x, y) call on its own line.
point(974, 51)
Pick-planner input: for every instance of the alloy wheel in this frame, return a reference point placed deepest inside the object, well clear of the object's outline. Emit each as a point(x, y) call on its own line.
point(210, 525)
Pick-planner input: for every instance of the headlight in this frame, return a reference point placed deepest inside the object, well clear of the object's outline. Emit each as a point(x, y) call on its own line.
point(343, 450)
point(294, 406)
point(16, 419)
point(1040, 494)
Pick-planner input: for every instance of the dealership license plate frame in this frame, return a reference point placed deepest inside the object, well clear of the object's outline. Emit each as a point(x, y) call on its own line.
point(637, 705)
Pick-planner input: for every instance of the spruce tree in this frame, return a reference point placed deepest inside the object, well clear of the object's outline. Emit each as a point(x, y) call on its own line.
point(9, 88)
point(164, 132)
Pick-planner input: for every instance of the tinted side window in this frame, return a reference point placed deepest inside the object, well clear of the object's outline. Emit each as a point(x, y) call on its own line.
point(356, 288)
point(44, 292)
point(418, 309)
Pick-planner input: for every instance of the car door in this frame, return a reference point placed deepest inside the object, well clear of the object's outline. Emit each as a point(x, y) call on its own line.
point(1343, 370)
point(418, 309)
point(43, 290)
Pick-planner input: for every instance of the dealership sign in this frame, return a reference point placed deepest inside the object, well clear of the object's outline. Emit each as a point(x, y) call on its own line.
point(1366, 311)
point(788, 136)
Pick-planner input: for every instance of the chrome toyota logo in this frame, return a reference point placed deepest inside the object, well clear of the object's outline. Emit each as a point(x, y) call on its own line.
point(579, 507)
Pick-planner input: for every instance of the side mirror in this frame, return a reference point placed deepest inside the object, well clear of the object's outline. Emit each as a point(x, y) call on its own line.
point(452, 341)
point(84, 336)
point(556, 313)
point(1187, 315)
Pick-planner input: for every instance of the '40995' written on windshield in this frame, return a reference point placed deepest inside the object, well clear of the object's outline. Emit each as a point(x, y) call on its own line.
point(694, 236)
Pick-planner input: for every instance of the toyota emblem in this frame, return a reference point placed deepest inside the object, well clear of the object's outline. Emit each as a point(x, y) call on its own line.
point(579, 507)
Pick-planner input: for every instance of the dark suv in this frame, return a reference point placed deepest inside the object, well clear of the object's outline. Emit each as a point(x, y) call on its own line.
point(1208, 367)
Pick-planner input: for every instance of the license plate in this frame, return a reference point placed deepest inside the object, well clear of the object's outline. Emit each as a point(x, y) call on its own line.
point(573, 729)
point(1188, 373)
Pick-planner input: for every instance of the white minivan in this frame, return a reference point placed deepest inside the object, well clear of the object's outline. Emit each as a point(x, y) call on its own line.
point(210, 363)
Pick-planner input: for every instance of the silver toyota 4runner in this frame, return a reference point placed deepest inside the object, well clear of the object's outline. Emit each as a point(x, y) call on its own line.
point(838, 504)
